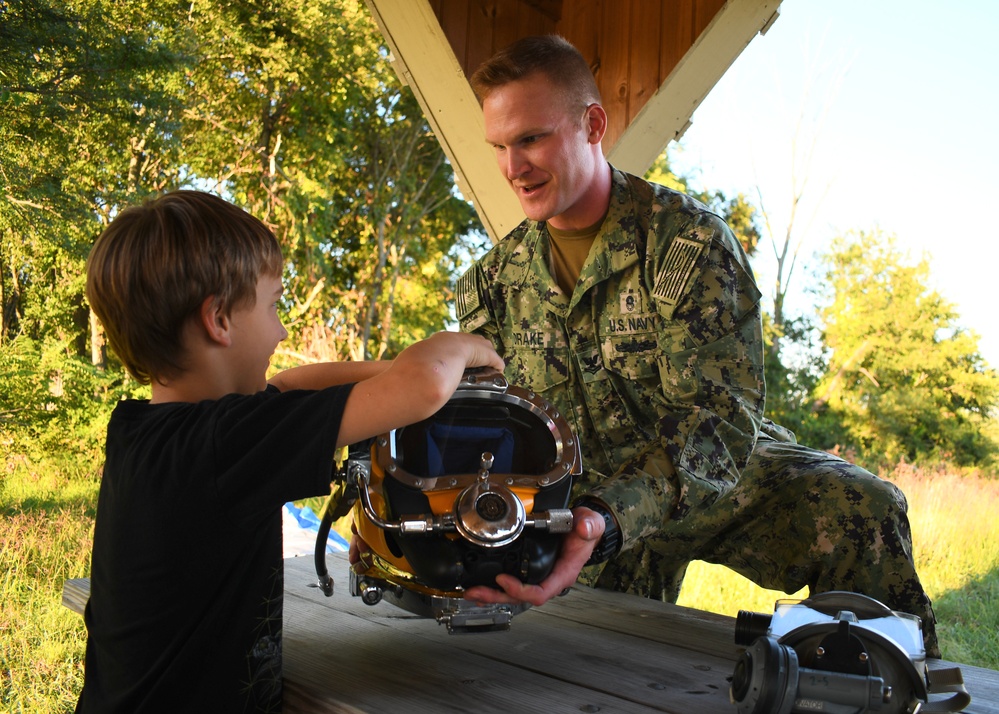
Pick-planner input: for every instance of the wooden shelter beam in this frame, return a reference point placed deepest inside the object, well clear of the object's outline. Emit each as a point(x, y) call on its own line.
point(424, 60)
point(666, 116)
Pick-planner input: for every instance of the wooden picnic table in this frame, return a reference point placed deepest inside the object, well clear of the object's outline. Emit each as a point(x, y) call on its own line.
point(590, 651)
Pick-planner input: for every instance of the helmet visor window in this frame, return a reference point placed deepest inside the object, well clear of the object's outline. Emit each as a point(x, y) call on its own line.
point(452, 441)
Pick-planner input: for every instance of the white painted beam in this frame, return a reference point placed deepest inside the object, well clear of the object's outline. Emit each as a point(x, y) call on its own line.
point(667, 114)
point(424, 60)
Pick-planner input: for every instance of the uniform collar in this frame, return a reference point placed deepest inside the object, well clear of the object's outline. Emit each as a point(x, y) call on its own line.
point(615, 249)
point(617, 246)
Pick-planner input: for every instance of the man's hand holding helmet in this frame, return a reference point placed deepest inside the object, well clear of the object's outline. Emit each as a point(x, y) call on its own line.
point(577, 546)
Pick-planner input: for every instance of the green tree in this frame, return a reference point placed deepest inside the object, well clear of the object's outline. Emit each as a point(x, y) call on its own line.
point(906, 379)
point(85, 101)
point(290, 109)
point(411, 224)
point(741, 216)
point(294, 111)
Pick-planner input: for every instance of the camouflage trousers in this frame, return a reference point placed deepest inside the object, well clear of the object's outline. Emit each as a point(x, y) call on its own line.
point(798, 517)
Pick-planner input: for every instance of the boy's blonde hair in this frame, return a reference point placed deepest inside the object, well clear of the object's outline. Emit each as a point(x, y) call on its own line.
point(152, 268)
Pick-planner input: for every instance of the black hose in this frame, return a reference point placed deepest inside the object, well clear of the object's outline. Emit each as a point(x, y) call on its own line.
point(325, 581)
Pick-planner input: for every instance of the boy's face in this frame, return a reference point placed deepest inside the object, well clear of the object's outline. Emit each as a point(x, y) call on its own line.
point(256, 332)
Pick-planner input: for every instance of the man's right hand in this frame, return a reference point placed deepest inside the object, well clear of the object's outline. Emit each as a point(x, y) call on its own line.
point(587, 527)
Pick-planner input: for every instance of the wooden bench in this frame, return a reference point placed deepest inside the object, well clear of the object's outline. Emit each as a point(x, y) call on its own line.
point(591, 651)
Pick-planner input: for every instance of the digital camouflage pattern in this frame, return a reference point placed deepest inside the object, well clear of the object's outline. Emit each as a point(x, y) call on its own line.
point(656, 360)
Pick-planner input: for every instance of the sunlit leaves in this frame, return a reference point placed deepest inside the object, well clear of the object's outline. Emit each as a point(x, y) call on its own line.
point(905, 377)
point(288, 108)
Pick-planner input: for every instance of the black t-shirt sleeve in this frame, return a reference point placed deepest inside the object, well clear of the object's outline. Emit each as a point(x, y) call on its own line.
point(276, 447)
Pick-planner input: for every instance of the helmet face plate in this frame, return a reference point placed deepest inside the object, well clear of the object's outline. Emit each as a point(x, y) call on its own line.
point(478, 489)
point(530, 443)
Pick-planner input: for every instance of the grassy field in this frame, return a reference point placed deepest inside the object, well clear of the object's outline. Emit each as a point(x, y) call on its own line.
point(45, 536)
point(47, 525)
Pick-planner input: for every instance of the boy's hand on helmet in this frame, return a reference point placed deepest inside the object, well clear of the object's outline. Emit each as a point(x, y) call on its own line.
point(481, 352)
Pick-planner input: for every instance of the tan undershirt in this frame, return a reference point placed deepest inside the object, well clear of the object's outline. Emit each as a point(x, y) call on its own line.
point(569, 250)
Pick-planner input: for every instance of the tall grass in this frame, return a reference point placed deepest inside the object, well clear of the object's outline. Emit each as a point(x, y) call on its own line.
point(46, 530)
point(956, 536)
point(47, 525)
point(956, 547)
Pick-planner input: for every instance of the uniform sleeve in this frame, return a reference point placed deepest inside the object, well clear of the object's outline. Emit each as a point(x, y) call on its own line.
point(710, 363)
point(473, 306)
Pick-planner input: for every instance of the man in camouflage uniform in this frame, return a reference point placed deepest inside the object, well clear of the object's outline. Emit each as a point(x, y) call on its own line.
point(633, 309)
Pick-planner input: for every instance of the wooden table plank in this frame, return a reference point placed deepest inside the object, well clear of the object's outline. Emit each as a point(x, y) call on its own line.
point(667, 624)
point(381, 658)
point(591, 651)
point(641, 653)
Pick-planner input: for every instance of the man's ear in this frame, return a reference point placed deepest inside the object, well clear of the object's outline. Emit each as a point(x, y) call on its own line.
point(217, 324)
point(596, 123)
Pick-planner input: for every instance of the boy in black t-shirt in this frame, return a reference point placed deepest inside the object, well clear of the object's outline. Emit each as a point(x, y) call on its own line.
point(186, 580)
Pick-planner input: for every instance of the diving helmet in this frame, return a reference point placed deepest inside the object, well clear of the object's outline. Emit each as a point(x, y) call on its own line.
point(838, 652)
point(478, 489)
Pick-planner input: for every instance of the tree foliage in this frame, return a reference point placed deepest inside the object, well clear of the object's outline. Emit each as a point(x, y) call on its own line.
point(792, 375)
point(312, 133)
point(289, 109)
point(740, 214)
point(905, 379)
point(80, 84)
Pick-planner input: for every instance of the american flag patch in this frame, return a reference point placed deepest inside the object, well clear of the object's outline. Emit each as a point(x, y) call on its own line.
point(676, 270)
point(466, 299)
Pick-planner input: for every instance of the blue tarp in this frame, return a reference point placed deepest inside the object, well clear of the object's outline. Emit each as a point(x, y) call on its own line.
point(308, 525)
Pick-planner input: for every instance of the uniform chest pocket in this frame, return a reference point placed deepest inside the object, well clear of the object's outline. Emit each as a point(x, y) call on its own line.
point(633, 356)
point(629, 395)
point(539, 369)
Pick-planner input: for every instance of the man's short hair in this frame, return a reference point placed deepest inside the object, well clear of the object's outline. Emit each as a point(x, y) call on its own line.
point(552, 55)
point(151, 269)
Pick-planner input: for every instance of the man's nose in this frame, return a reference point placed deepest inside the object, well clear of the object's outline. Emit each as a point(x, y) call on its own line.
point(516, 164)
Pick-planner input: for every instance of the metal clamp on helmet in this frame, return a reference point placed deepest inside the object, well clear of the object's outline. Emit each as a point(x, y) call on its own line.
point(838, 652)
point(478, 489)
